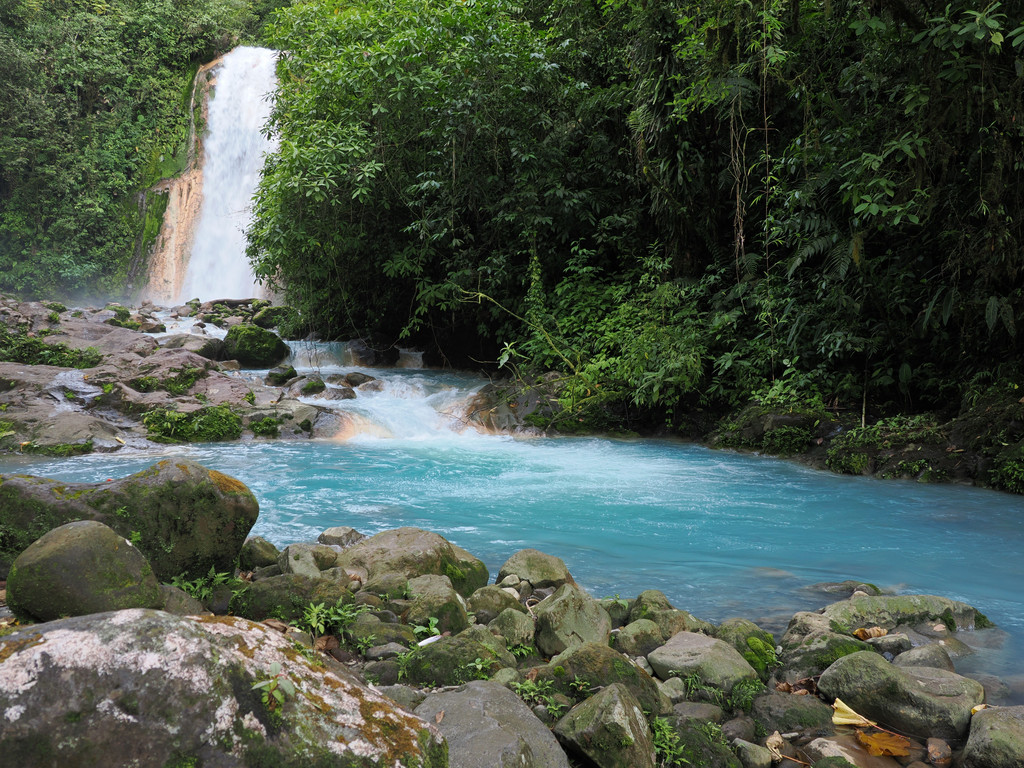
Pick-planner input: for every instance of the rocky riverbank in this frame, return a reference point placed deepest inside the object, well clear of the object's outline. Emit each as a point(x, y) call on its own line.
point(401, 649)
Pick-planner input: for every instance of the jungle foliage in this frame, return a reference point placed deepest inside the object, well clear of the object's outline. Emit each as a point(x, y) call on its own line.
point(95, 97)
point(669, 201)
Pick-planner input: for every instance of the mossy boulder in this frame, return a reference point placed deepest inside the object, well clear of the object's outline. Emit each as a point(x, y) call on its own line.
point(653, 605)
point(414, 552)
point(540, 569)
point(80, 568)
point(487, 602)
point(254, 347)
point(755, 645)
point(593, 665)
point(570, 618)
point(368, 629)
point(705, 746)
point(917, 701)
point(890, 611)
point(183, 517)
point(453, 660)
point(996, 738)
point(812, 643)
point(787, 712)
point(285, 597)
point(271, 317)
point(257, 552)
point(433, 596)
point(638, 638)
point(609, 729)
point(516, 627)
point(281, 375)
point(149, 689)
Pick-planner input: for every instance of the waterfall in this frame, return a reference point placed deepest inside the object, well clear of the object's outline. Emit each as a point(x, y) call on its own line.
point(233, 156)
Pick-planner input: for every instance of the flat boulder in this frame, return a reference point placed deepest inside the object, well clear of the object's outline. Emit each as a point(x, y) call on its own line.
point(149, 689)
point(182, 516)
point(919, 701)
point(540, 569)
point(488, 726)
point(996, 738)
point(609, 729)
point(80, 568)
point(414, 552)
point(568, 619)
point(716, 663)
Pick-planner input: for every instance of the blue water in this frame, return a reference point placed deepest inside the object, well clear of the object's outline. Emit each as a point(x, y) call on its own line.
point(721, 534)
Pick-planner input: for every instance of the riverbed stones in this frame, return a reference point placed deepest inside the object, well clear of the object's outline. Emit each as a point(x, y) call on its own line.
point(254, 347)
point(569, 618)
point(433, 597)
point(340, 536)
point(183, 517)
point(488, 726)
point(149, 689)
point(257, 552)
point(715, 663)
point(812, 643)
point(787, 712)
point(919, 701)
point(652, 604)
point(79, 568)
point(209, 347)
point(415, 552)
point(285, 597)
point(280, 375)
point(638, 638)
point(891, 611)
point(489, 601)
point(518, 628)
point(996, 739)
point(540, 569)
point(610, 729)
point(931, 655)
point(756, 646)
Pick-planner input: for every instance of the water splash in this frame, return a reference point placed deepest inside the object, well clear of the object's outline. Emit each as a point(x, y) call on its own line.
point(233, 155)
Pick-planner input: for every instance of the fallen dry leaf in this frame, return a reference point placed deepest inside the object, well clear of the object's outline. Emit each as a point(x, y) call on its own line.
point(865, 633)
point(326, 643)
point(843, 715)
point(774, 745)
point(884, 743)
point(277, 624)
point(439, 717)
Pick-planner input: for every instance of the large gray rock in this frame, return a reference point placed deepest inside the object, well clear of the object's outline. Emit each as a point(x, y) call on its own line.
point(148, 689)
point(716, 663)
point(996, 739)
point(516, 627)
point(415, 552)
point(919, 701)
point(433, 596)
point(931, 655)
point(610, 729)
point(812, 643)
point(79, 568)
point(890, 611)
point(488, 726)
point(257, 552)
point(786, 712)
point(638, 638)
point(340, 536)
point(569, 618)
point(184, 517)
point(540, 569)
point(487, 602)
point(298, 559)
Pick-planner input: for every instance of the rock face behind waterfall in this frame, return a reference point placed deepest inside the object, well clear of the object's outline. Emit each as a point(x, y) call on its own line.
point(183, 517)
point(149, 689)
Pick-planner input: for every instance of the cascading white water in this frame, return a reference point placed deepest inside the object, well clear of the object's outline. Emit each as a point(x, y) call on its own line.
point(233, 155)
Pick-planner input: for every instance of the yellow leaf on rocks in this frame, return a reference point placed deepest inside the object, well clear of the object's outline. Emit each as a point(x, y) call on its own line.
point(843, 715)
point(884, 744)
point(865, 633)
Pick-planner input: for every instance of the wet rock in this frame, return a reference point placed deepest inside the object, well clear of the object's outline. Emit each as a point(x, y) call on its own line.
point(337, 393)
point(488, 602)
point(892, 644)
point(280, 375)
point(254, 347)
point(208, 347)
point(752, 755)
point(286, 596)
point(454, 660)
point(487, 726)
point(341, 536)
point(996, 739)
point(919, 701)
point(144, 687)
point(540, 569)
point(932, 655)
point(593, 665)
point(79, 568)
point(717, 664)
point(415, 552)
point(844, 751)
point(257, 552)
point(433, 597)
point(366, 354)
point(357, 379)
point(183, 517)
point(271, 317)
point(610, 729)
point(568, 619)
point(639, 638)
point(516, 627)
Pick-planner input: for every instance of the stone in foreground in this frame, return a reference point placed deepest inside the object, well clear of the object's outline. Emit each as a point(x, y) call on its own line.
point(148, 689)
point(488, 726)
point(610, 729)
point(918, 701)
point(79, 568)
point(996, 738)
